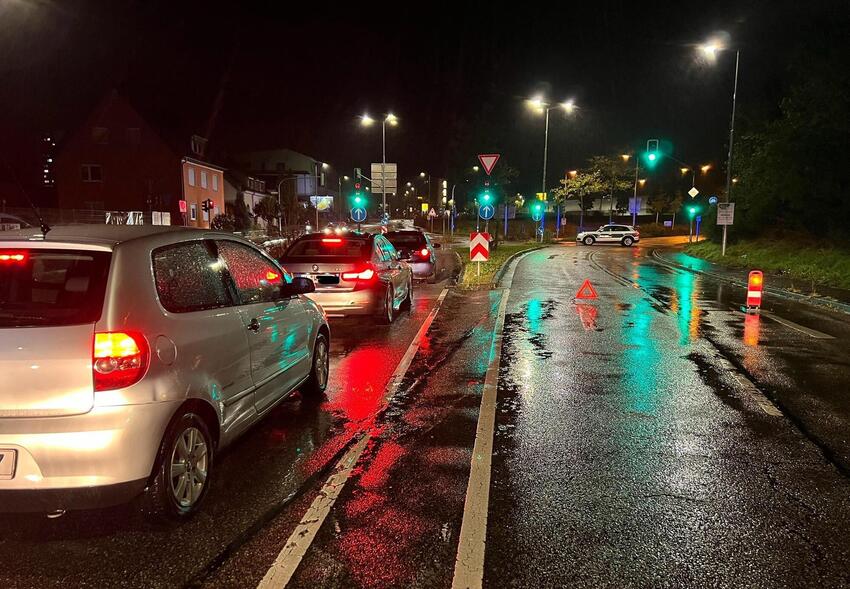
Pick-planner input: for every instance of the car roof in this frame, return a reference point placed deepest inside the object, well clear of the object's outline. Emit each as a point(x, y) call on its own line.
point(107, 235)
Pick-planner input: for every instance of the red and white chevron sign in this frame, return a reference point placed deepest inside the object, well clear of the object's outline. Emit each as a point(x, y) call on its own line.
point(479, 247)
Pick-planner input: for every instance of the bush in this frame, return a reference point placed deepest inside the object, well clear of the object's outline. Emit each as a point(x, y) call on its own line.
point(223, 223)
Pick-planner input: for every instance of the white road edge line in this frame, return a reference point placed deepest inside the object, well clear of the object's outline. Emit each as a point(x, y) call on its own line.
point(750, 389)
point(287, 561)
point(796, 326)
point(469, 565)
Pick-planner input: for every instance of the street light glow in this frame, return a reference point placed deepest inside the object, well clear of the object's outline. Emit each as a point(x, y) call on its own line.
point(366, 120)
point(625, 157)
point(573, 173)
point(710, 49)
point(684, 170)
point(705, 168)
point(392, 119)
point(642, 181)
point(537, 102)
point(421, 174)
point(474, 168)
point(346, 178)
point(568, 106)
point(325, 166)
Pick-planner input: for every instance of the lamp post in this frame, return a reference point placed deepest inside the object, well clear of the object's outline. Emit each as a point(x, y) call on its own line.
point(710, 50)
point(392, 120)
point(544, 108)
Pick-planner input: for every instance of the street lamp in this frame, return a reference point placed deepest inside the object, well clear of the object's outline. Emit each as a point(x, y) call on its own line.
point(474, 168)
point(705, 168)
point(710, 49)
point(539, 105)
point(392, 120)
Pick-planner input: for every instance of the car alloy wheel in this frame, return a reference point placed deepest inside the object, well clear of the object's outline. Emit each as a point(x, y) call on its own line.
point(321, 366)
point(189, 466)
point(588, 240)
point(389, 304)
point(628, 241)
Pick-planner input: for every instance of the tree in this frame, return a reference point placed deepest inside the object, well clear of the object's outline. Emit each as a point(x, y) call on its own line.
point(268, 210)
point(223, 223)
point(584, 186)
point(242, 218)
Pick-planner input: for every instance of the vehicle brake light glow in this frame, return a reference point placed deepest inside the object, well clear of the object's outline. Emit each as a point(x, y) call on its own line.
point(332, 240)
point(367, 274)
point(118, 359)
point(13, 257)
point(424, 252)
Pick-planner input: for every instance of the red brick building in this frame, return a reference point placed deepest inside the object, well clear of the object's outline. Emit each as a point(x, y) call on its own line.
point(116, 161)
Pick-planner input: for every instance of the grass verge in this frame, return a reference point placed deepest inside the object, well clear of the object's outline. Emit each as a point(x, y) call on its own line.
point(795, 258)
point(468, 275)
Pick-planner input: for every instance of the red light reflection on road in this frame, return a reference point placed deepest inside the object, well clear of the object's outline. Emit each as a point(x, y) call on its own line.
point(751, 330)
point(587, 314)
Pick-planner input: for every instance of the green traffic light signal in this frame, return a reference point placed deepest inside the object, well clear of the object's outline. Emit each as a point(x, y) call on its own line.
point(485, 198)
point(537, 207)
point(693, 211)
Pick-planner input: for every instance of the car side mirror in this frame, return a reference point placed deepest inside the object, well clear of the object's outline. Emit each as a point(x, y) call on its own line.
point(299, 285)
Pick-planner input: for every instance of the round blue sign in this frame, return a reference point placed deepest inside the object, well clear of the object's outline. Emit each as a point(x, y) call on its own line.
point(712, 200)
point(536, 215)
point(486, 212)
point(358, 214)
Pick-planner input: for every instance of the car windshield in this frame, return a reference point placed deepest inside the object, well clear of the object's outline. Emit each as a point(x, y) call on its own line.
point(329, 247)
point(405, 240)
point(42, 287)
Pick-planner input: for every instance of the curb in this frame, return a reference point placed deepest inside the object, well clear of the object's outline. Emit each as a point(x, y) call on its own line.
point(500, 273)
point(824, 302)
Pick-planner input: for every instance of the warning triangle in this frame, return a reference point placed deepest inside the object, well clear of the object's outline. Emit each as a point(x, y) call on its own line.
point(586, 291)
point(488, 160)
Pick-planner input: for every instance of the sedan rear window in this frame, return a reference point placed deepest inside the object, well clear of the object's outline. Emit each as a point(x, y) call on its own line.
point(337, 247)
point(51, 287)
point(406, 240)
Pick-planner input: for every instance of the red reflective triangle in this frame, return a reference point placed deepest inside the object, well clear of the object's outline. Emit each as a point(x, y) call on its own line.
point(586, 291)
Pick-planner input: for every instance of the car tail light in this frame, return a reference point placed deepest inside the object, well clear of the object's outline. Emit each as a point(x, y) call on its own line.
point(637, 233)
point(13, 257)
point(332, 241)
point(118, 359)
point(364, 275)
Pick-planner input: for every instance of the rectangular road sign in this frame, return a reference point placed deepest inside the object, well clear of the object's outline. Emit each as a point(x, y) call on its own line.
point(726, 213)
point(390, 175)
point(479, 247)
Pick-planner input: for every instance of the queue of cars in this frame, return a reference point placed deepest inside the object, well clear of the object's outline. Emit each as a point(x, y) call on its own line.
point(129, 356)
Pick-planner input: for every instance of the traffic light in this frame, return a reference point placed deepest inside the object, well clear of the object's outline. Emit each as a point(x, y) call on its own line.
point(207, 205)
point(537, 207)
point(486, 198)
point(652, 154)
point(692, 211)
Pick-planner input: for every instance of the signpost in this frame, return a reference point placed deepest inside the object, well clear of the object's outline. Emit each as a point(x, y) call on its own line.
point(486, 212)
point(384, 180)
point(725, 217)
point(358, 215)
point(488, 161)
point(479, 249)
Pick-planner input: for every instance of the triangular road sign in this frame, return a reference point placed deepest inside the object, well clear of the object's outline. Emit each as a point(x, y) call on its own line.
point(488, 160)
point(586, 291)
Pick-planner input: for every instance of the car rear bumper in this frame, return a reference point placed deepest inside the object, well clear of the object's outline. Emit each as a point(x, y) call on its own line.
point(47, 500)
point(106, 452)
point(422, 269)
point(349, 303)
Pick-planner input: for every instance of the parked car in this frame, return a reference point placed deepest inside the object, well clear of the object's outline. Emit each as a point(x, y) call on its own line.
point(9, 222)
point(356, 274)
point(129, 356)
point(417, 249)
point(623, 234)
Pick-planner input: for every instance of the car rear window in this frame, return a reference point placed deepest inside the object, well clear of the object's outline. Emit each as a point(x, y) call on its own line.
point(406, 240)
point(337, 247)
point(51, 287)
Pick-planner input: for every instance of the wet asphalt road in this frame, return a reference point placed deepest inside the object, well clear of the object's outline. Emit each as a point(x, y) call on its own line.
point(653, 437)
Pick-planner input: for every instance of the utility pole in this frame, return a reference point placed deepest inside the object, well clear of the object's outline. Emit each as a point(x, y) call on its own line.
point(731, 141)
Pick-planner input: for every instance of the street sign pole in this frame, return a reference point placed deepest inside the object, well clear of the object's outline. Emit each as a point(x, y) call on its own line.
point(506, 222)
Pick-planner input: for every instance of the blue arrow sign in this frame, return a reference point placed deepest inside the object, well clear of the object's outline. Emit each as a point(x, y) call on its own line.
point(358, 214)
point(486, 212)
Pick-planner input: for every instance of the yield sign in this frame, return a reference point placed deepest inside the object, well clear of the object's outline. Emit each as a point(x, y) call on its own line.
point(586, 291)
point(488, 161)
point(479, 247)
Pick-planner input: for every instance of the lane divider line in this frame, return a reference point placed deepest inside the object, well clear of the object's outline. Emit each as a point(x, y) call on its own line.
point(469, 564)
point(750, 389)
point(289, 558)
point(796, 326)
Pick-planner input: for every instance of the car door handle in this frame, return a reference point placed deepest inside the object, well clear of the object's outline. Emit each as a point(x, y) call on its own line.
point(254, 325)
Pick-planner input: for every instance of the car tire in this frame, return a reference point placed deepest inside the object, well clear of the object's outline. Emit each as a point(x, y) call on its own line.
point(407, 303)
point(628, 241)
point(188, 444)
point(317, 382)
point(588, 240)
point(386, 312)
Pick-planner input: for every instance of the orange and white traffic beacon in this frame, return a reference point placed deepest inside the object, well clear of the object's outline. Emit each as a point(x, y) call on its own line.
point(755, 287)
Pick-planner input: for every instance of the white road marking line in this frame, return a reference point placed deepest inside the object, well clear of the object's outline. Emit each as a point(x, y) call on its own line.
point(796, 326)
point(287, 561)
point(469, 565)
point(750, 389)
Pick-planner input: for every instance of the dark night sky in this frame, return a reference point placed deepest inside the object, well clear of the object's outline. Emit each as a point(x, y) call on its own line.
point(456, 74)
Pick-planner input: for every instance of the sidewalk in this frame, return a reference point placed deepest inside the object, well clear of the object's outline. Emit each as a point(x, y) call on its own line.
point(803, 291)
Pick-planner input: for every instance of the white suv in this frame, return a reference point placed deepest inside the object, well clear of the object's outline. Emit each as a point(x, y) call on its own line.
point(623, 234)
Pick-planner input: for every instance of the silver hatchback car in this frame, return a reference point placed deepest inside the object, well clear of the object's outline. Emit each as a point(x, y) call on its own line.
point(130, 355)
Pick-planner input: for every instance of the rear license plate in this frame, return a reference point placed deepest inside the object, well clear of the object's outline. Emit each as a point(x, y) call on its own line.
point(7, 463)
point(328, 279)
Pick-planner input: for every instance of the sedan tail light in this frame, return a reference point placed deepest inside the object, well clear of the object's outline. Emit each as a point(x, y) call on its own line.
point(118, 359)
point(364, 275)
point(422, 254)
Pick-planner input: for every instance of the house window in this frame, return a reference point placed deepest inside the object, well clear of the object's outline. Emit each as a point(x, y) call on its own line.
point(100, 135)
point(193, 212)
point(191, 176)
point(134, 136)
point(215, 182)
point(203, 179)
point(91, 173)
